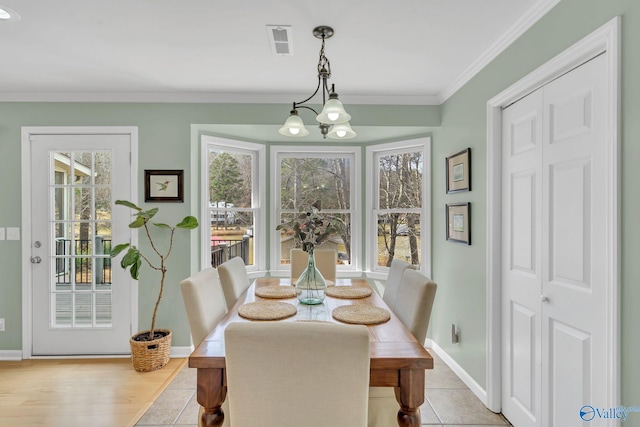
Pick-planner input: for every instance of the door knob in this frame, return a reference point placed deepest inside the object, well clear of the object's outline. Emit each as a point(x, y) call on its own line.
point(544, 298)
point(36, 260)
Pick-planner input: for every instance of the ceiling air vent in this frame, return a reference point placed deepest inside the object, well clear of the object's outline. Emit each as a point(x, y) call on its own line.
point(280, 39)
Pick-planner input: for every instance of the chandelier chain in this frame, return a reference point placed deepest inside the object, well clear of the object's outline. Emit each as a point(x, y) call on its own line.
point(324, 66)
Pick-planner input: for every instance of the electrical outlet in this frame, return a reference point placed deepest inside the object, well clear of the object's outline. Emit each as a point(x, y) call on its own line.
point(1, 325)
point(455, 334)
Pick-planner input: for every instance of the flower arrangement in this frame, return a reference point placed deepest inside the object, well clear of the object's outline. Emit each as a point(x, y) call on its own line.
point(310, 228)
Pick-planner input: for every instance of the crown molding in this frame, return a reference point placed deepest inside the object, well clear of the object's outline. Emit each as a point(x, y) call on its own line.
point(525, 22)
point(206, 98)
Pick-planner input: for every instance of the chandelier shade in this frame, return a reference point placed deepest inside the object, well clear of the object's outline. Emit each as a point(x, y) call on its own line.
point(294, 126)
point(341, 131)
point(333, 114)
point(333, 111)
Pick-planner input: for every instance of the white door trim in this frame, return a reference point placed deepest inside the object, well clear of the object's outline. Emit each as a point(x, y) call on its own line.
point(27, 132)
point(604, 39)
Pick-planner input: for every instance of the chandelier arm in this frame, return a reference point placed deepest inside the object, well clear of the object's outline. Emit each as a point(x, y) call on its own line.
point(308, 108)
point(327, 91)
point(313, 94)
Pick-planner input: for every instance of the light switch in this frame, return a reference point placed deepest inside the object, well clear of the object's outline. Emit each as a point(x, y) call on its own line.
point(13, 233)
point(2, 233)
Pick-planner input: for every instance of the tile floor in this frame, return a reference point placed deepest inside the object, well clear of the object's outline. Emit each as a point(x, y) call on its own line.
point(449, 402)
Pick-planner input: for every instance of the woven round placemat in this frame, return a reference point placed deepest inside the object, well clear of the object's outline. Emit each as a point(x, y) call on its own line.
point(347, 292)
point(327, 282)
point(266, 310)
point(361, 314)
point(276, 291)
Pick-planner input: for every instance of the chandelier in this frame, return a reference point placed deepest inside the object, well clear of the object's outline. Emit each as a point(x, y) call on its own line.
point(333, 119)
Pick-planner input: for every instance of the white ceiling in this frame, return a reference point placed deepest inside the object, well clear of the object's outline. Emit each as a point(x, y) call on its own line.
point(415, 52)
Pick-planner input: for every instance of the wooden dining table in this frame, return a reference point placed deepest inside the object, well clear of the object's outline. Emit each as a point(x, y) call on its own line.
point(396, 358)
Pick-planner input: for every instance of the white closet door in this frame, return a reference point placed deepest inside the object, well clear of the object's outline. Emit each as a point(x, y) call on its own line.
point(521, 260)
point(554, 261)
point(575, 264)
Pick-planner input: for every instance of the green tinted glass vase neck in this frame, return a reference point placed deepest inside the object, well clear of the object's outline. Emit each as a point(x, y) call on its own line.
point(311, 285)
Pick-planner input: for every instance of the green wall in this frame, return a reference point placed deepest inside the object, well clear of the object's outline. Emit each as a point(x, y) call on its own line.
point(462, 291)
point(166, 133)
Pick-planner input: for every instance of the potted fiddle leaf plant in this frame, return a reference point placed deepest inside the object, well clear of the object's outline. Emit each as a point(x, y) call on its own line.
point(150, 349)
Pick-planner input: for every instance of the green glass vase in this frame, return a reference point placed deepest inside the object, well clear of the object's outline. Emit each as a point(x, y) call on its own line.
point(311, 286)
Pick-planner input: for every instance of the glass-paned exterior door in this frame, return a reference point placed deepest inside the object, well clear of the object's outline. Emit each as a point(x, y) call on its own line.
point(82, 303)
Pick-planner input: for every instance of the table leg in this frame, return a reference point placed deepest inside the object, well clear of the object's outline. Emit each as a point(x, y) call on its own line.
point(210, 394)
point(410, 395)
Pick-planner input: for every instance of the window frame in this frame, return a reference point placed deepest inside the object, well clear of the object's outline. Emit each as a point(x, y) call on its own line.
point(258, 189)
point(276, 154)
point(372, 195)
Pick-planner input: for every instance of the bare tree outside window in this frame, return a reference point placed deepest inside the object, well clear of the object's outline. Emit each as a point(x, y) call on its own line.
point(307, 179)
point(399, 204)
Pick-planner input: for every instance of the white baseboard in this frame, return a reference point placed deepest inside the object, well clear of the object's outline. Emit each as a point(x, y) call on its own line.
point(181, 352)
point(459, 371)
point(6, 355)
point(82, 356)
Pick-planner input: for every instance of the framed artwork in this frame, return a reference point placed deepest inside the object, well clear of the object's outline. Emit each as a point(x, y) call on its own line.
point(163, 186)
point(458, 216)
point(458, 168)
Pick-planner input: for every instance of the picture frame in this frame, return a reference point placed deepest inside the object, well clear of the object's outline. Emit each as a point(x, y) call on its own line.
point(458, 218)
point(458, 167)
point(161, 185)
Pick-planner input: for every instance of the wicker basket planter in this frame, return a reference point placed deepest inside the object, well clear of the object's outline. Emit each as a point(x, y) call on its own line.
point(150, 355)
point(147, 356)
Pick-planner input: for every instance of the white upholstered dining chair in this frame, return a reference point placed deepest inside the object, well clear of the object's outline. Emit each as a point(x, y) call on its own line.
point(311, 374)
point(326, 261)
point(392, 286)
point(205, 305)
point(204, 302)
point(413, 303)
point(234, 279)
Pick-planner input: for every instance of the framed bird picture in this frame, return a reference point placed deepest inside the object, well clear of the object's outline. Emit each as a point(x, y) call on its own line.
point(163, 186)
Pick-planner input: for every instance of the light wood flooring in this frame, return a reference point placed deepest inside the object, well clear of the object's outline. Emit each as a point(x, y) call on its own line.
point(109, 393)
point(79, 392)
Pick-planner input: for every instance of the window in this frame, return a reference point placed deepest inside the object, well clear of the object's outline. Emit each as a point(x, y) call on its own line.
point(300, 176)
point(233, 190)
point(398, 221)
